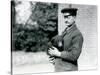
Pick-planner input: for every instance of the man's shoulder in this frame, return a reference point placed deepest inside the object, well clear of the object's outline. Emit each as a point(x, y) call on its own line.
point(77, 33)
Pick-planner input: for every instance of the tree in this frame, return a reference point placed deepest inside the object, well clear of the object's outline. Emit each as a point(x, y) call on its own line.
point(40, 27)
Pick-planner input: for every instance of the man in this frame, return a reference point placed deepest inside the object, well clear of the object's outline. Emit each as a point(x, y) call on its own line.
point(66, 59)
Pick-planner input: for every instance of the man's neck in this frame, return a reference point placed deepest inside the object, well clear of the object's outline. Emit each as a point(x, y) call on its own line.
point(71, 24)
point(67, 28)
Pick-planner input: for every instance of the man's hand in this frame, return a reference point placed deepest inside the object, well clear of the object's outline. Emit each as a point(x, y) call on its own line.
point(52, 59)
point(54, 52)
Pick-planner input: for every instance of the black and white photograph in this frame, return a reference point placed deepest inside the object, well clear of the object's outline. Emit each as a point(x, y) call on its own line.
point(49, 37)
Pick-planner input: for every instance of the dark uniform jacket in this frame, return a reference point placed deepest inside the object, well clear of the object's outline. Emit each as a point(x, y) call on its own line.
point(73, 41)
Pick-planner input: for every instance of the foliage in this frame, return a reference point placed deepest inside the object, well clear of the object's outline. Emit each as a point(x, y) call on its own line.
point(28, 37)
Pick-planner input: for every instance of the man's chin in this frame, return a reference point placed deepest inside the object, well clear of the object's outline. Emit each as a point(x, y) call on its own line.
point(67, 25)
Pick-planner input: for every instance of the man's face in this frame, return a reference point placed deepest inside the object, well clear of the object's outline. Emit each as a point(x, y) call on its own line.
point(69, 19)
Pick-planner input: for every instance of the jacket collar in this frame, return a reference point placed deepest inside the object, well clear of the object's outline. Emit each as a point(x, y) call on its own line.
point(72, 28)
point(69, 29)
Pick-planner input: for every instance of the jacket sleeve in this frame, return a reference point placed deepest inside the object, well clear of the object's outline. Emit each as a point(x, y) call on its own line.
point(74, 51)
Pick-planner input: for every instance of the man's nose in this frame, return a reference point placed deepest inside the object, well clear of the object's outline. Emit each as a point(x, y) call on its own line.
point(66, 21)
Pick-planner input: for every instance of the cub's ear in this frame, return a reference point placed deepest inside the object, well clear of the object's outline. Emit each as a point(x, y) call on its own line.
point(58, 38)
point(49, 44)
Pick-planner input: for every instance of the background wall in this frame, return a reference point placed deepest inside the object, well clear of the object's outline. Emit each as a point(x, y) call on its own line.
point(87, 23)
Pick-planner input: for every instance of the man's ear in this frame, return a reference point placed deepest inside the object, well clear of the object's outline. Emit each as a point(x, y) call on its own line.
point(74, 18)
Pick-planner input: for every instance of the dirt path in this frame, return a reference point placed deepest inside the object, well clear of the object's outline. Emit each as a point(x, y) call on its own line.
point(39, 68)
point(31, 63)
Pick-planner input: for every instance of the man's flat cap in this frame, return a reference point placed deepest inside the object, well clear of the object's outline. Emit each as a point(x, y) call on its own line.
point(72, 11)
